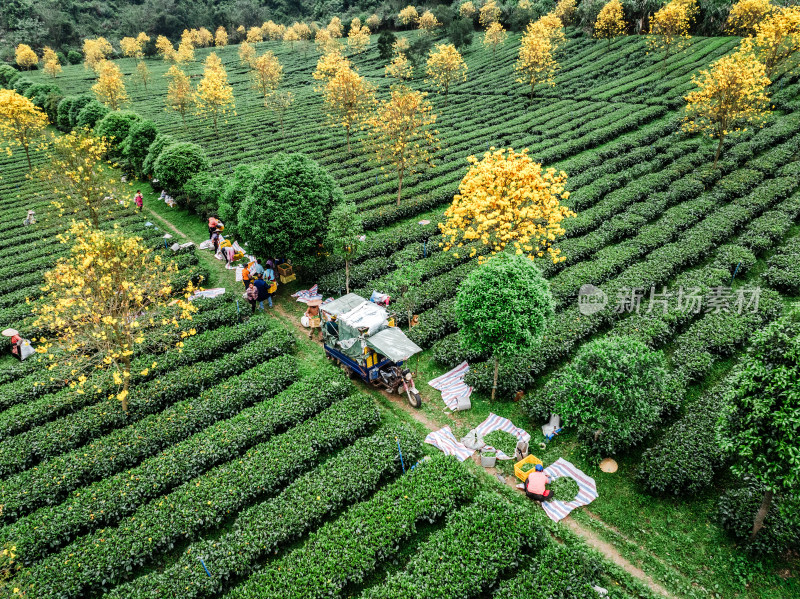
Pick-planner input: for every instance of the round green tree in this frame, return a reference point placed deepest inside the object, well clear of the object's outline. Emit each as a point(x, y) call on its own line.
point(178, 163)
point(78, 104)
point(502, 307)
point(287, 208)
point(62, 114)
point(614, 392)
point(233, 193)
point(115, 127)
point(762, 421)
point(162, 141)
point(137, 144)
point(91, 114)
point(344, 236)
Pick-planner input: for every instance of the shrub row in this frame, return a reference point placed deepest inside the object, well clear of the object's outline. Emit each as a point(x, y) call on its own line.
point(102, 558)
point(262, 529)
point(58, 436)
point(783, 268)
point(507, 531)
point(107, 501)
point(346, 550)
point(126, 447)
point(205, 346)
point(40, 383)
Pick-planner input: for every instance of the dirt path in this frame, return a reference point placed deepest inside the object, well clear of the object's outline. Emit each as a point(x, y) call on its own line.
point(165, 223)
point(591, 538)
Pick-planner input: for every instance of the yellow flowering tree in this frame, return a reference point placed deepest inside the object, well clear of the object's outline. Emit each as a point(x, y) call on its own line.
point(746, 14)
point(142, 73)
point(220, 37)
point(669, 26)
point(101, 301)
point(52, 66)
point(266, 74)
point(777, 38)
point(730, 95)
point(506, 200)
point(335, 28)
point(179, 92)
point(408, 15)
point(214, 96)
point(348, 97)
point(401, 134)
point(84, 182)
point(95, 51)
point(495, 36)
point(25, 57)
point(279, 102)
point(428, 22)
point(373, 22)
point(358, 36)
point(325, 42)
point(204, 38)
point(536, 64)
point(489, 13)
point(272, 30)
point(327, 66)
point(565, 10)
point(255, 35)
point(610, 22)
point(247, 54)
point(466, 10)
point(131, 47)
point(185, 51)
point(21, 123)
point(400, 67)
point(110, 88)
point(165, 48)
point(445, 65)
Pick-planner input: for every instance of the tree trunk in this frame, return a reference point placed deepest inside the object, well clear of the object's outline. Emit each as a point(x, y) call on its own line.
point(761, 514)
point(719, 149)
point(399, 186)
point(347, 276)
point(496, 372)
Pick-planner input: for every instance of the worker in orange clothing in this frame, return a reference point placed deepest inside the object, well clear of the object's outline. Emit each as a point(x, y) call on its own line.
point(535, 485)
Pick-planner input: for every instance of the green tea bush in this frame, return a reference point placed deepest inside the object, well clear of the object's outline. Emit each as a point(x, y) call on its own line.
point(91, 114)
point(736, 511)
point(134, 149)
point(176, 164)
point(558, 572)
point(614, 392)
point(783, 268)
point(286, 209)
point(115, 127)
point(78, 104)
point(731, 257)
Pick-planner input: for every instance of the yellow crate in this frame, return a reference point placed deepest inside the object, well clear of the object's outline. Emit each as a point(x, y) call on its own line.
point(285, 279)
point(531, 459)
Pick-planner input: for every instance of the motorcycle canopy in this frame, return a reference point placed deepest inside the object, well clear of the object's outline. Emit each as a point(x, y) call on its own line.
point(343, 304)
point(393, 344)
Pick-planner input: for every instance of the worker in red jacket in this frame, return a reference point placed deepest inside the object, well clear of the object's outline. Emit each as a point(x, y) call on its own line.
point(535, 483)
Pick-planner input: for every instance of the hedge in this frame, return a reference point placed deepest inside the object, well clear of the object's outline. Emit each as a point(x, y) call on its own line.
point(346, 550)
point(262, 529)
point(101, 559)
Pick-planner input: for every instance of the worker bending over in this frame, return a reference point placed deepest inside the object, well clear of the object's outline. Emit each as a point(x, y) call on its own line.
point(535, 485)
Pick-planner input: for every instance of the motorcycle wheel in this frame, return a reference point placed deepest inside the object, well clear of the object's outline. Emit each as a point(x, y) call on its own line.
point(414, 399)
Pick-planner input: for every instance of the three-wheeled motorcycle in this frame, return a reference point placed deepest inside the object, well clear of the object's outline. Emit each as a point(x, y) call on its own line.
point(361, 338)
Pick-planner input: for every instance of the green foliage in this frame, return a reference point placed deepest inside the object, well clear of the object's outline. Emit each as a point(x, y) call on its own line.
point(760, 425)
point(385, 41)
point(344, 235)
point(234, 192)
point(62, 114)
point(202, 191)
point(39, 92)
point(287, 208)
point(460, 32)
point(115, 127)
point(6, 73)
point(564, 488)
point(557, 572)
point(77, 105)
point(505, 442)
point(91, 114)
point(783, 272)
point(502, 306)
point(21, 84)
point(177, 163)
point(74, 57)
point(734, 258)
point(161, 141)
point(736, 510)
point(614, 392)
point(136, 145)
